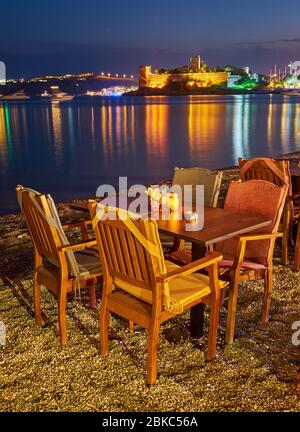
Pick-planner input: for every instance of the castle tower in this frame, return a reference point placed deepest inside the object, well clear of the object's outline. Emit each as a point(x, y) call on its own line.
point(195, 63)
point(144, 73)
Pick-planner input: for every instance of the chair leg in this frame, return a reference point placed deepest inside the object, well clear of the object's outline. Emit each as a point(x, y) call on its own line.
point(213, 328)
point(232, 305)
point(285, 248)
point(104, 324)
point(286, 234)
point(62, 301)
point(153, 337)
point(37, 302)
point(268, 282)
point(297, 250)
point(131, 327)
point(177, 245)
point(92, 295)
point(224, 293)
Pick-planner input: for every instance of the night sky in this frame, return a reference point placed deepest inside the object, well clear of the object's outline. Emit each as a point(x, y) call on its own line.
point(61, 36)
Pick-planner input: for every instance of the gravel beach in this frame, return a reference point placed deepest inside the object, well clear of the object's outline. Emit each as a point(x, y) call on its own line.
point(258, 372)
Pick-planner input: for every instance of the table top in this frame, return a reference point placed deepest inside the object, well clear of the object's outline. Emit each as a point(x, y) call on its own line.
point(219, 225)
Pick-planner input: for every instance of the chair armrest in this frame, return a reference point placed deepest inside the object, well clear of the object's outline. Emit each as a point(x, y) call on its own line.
point(80, 224)
point(252, 237)
point(78, 246)
point(194, 266)
point(76, 224)
point(239, 258)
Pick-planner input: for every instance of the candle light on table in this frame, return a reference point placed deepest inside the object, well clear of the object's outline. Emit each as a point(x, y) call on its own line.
point(170, 200)
point(191, 216)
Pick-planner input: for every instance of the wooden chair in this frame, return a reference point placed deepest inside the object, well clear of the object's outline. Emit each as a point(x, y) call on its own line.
point(59, 266)
point(249, 257)
point(297, 243)
point(196, 176)
point(295, 229)
point(141, 286)
point(277, 172)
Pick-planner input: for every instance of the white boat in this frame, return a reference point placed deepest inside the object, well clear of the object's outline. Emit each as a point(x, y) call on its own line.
point(46, 94)
point(16, 96)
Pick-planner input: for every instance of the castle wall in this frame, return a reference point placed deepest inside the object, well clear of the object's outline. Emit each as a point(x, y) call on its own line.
point(151, 80)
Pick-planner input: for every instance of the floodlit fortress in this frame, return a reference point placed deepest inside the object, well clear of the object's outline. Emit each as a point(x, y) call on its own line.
point(197, 74)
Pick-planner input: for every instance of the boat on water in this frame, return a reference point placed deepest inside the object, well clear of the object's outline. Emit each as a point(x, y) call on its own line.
point(290, 93)
point(46, 95)
point(16, 96)
point(61, 97)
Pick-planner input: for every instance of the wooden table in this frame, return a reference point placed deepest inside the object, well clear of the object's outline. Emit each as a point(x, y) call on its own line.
point(219, 225)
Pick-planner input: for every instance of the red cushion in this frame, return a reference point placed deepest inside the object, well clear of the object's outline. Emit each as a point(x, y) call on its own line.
point(245, 264)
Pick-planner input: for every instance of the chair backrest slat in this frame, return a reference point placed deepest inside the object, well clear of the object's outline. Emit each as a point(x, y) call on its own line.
point(125, 259)
point(43, 235)
point(110, 235)
point(119, 251)
point(276, 172)
point(144, 267)
point(136, 259)
point(126, 254)
point(45, 227)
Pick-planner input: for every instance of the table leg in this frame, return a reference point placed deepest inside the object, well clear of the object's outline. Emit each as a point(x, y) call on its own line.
point(197, 312)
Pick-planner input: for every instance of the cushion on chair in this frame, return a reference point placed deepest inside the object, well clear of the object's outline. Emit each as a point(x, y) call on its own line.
point(183, 290)
point(72, 263)
point(87, 264)
point(184, 257)
point(181, 257)
point(186, 289)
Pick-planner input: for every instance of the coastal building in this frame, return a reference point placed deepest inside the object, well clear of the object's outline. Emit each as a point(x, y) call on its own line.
point(232, 79)
point(246, 69)
point(147, 79)
point(2, 73)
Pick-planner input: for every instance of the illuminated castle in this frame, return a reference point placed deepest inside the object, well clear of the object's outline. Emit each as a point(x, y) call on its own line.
point(192, 76)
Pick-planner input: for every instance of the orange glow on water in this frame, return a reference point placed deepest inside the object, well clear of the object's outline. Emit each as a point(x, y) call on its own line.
point(156, 127)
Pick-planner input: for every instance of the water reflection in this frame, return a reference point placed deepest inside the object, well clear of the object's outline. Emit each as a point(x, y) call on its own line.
point(3, 142)
point(106, 129)
point(270, 121)
point(206, 127)
point(70, 149)
point(156, 127)
point(57, 132)
point(241, 127)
